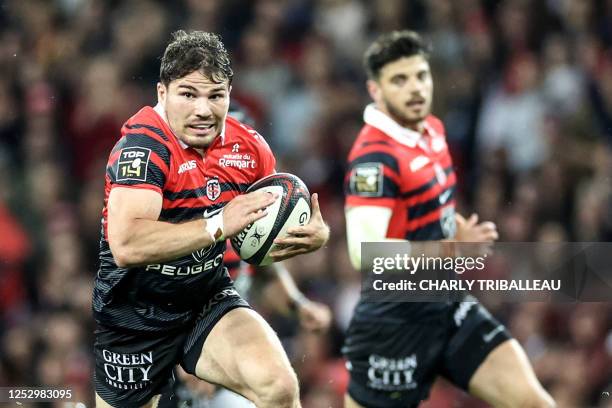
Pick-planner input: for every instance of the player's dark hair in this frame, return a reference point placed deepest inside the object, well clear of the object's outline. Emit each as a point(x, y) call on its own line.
point(392, 46)
point(195, 51)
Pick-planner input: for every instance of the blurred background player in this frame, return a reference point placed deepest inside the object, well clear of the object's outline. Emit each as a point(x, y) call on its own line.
point(399, 185)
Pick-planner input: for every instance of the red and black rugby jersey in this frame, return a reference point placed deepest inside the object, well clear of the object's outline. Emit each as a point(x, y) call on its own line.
point(148, 155)
point(408, 172)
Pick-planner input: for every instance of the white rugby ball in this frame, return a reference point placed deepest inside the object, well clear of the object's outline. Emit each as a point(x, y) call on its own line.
point(291, 209)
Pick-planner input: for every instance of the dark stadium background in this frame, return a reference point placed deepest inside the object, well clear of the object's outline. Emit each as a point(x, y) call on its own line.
point(524, 87)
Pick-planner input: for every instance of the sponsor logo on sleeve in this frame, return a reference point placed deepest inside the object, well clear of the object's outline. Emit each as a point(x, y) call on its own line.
point(133, 164)
point(367, 180)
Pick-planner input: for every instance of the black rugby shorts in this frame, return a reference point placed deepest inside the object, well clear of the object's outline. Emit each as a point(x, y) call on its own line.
point(394, 364)
point(133, 366)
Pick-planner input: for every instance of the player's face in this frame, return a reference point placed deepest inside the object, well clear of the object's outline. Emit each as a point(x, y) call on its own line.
point(195, 107)
point(404, 90)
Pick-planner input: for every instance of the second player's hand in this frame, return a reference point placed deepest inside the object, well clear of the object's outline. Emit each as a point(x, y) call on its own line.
point(245, 209)
point(471, 231)
point(480, 235)
point(304, 239)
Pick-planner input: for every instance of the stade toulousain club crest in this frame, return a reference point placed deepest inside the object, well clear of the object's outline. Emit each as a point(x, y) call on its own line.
point(213, 189)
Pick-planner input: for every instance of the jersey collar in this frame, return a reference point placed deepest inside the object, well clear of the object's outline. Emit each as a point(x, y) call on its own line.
point(161, 112)
point(381, 121)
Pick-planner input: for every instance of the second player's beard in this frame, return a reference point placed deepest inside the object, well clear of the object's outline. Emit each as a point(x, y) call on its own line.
point(403, 119)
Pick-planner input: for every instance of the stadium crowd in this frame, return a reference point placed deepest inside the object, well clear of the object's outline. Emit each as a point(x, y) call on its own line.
point(524, 88)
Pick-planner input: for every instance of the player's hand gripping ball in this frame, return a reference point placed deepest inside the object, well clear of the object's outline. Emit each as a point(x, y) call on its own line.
point(291, 209)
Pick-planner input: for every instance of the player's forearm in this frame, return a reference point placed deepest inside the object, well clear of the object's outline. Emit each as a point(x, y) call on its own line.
point(145, 242)
point(365, 224)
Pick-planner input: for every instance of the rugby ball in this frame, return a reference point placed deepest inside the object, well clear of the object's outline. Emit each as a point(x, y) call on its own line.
point(291, 209)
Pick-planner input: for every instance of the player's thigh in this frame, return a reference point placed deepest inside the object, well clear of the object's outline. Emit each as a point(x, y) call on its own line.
point(100, 403)
point(505, 379)
point(243, 353)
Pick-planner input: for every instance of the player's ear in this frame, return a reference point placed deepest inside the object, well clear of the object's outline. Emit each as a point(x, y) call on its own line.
point(373, 90)
point(161, 93)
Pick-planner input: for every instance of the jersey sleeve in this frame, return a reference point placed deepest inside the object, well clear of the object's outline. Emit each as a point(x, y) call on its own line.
point(139, 161)
point(372, 178)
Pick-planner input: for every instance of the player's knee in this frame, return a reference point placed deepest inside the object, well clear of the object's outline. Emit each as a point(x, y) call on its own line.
point(278, 390)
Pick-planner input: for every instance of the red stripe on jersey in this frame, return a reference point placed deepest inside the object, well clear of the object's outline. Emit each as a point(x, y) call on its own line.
point(433, 192)
point(159, 162)
point(183, 202)
point(230, 254)
point(146, 131)
point(113, 157)
point(392, 175)
point(375, 148)
point(196, 201)
point(419, 222)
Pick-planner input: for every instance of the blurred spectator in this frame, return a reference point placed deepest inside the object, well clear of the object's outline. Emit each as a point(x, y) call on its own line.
point(513, 117)
point(348, 37)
